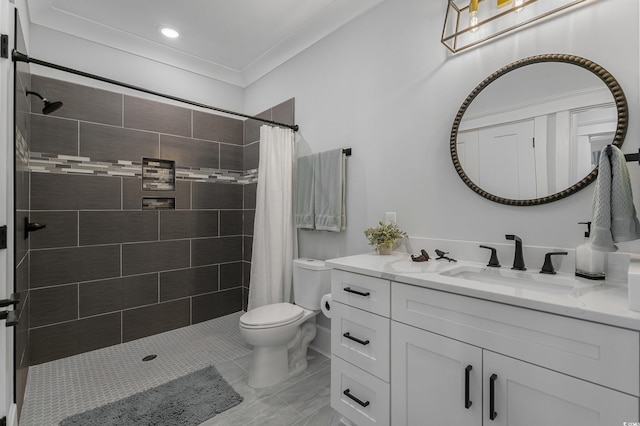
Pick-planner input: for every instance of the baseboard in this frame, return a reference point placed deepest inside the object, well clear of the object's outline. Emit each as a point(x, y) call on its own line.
point(322, 341)
point(12, 417)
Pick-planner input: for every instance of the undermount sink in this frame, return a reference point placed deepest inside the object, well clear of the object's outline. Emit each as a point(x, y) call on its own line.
point(517, 279)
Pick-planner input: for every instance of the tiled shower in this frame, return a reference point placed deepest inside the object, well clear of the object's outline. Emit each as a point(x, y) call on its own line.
point(104, 270)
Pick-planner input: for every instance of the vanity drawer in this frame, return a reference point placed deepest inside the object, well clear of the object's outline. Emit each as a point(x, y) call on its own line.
point(362, 338)
point(595, 352)
point(368, 293)
point(360, 397)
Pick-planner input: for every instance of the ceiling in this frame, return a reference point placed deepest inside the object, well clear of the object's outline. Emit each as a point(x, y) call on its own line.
point(237, 41)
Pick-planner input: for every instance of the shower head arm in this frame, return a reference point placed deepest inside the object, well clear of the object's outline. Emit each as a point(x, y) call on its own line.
point(29, 92)
point(49, 107)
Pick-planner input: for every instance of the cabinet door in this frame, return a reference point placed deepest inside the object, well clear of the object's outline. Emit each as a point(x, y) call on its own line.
point(431, 378)
point(528, 395)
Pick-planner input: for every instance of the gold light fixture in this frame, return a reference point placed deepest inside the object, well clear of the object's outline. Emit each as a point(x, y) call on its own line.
point(473, 15)
point(493, 18)
point(516, 3)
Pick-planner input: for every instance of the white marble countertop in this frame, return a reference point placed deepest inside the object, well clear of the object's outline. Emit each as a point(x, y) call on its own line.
point(604, 301)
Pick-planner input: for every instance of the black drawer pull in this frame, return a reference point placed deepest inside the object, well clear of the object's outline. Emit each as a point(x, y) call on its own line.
point(347, 393)
point(467, 401)
point(355, 339)
point(492, 396)
point(359, 293)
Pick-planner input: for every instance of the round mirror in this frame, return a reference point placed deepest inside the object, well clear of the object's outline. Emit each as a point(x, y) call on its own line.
point(532, 132)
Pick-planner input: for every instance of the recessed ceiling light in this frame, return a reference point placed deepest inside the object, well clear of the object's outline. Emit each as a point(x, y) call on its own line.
point(169, 32)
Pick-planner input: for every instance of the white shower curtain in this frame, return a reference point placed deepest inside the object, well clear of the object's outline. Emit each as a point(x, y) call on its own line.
point(274, 232)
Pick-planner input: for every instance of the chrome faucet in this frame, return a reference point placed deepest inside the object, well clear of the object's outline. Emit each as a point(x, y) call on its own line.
point(518, 259)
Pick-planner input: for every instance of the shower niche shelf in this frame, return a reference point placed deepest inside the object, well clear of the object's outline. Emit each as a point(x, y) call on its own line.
point(158, 175)
point(158, 203)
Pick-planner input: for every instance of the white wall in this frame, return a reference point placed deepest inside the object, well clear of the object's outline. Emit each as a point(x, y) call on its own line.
point(73, 52)
point(385, 86)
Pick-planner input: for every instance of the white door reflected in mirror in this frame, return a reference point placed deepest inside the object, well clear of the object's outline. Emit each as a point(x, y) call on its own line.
point(536, 131)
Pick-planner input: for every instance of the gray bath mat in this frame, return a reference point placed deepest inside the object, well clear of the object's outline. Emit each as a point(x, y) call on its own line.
point(187, 400)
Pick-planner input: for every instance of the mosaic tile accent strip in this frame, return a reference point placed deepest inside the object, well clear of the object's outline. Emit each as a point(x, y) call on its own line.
point(65, 164)
point(158, 175)
point(22, 150)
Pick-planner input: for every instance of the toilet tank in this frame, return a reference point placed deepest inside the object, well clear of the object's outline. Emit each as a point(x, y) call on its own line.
point(311, 281)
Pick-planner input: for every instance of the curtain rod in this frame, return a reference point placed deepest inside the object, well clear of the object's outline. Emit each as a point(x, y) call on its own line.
point(21, 57)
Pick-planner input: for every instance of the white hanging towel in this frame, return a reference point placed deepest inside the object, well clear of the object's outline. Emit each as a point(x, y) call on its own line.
point(305, 170)
point(329, 191)
point(613, 215)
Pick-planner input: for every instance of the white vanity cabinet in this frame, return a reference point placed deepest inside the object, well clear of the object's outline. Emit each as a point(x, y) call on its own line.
point(407, 354)
point(360, 359)
point(463, 361)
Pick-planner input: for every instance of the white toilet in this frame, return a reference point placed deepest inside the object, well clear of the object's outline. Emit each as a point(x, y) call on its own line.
point(280, 333)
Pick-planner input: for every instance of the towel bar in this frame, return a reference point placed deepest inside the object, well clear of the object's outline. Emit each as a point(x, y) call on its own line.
point(633, 157)
point(628, 157)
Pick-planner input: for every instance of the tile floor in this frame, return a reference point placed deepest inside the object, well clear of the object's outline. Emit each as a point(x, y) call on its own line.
point(72, 385)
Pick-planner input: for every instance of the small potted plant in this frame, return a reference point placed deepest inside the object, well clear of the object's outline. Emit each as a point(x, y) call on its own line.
point(384, 236)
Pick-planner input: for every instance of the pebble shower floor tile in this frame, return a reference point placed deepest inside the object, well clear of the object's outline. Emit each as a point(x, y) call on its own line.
point(60, 388)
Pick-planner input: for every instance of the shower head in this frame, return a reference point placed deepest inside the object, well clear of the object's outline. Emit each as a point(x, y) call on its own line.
point(49, 107)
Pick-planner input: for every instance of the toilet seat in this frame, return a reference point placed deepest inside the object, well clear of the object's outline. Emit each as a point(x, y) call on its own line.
point(273, 315)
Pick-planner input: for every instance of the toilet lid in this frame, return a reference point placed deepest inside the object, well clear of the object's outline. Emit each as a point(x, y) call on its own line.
point(272, 315)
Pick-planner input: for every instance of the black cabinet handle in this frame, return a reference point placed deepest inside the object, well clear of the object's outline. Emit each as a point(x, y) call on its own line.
point(348, 394)
point(355, 339)
point(492, 397)
point(467, 402)
point(359, 293)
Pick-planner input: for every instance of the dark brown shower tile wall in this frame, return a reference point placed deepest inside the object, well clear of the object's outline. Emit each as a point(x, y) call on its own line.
point(105, 272)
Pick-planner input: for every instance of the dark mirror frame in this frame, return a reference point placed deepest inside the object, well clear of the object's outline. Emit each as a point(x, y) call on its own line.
point(621, 128)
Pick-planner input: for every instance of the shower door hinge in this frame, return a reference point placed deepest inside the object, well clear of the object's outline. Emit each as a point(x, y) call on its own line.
point(11, 317)
point(3, 237)
point(4, 46)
